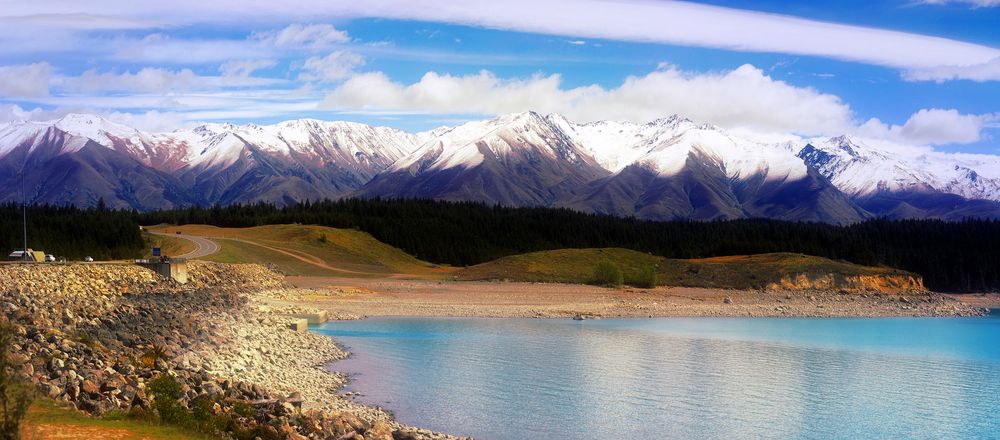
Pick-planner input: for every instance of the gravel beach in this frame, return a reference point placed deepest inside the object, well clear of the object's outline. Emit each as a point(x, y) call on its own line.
point(95, 335)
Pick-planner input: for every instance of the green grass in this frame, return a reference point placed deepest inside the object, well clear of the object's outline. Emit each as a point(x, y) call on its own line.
point(345, 252)
point(170, 246)
point(560, 266)
point(47, 419)
point(735, 272)
point(321, 251)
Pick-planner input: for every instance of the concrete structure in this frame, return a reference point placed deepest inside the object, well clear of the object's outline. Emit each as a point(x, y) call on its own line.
point(312, 318)
point(299, 325)
point(175, 269)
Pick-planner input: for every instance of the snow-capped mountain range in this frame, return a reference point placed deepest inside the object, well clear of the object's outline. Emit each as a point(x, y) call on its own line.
point(670, 168)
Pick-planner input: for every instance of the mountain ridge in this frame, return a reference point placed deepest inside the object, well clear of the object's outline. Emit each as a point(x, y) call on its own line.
point(669, 168)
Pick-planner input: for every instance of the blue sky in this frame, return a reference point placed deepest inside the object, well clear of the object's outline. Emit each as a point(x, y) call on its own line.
point(908, 72)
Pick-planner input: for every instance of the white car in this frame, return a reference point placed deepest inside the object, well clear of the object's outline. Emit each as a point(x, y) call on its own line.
point(88, 259)
point(49, 258)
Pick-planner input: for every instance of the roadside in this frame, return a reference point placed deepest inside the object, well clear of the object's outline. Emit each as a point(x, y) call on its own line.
point(203, 246)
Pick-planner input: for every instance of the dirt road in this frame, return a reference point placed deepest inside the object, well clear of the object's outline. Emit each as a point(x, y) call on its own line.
point(205, 247)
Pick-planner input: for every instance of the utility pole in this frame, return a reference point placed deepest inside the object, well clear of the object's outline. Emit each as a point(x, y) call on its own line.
point(24, 212)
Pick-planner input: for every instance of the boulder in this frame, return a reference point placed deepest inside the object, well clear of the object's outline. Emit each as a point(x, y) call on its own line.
point(380, 430)
point(90, 387)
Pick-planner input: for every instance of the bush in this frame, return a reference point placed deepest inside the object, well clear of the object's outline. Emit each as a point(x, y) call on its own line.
point(15, 391)
point(607, 274)
point(166, 391)
point(645, 278)
point(149, 358)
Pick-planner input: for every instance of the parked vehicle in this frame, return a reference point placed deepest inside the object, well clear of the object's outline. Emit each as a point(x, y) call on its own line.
point(49, 258)
point(29, 255)
point(88, 259)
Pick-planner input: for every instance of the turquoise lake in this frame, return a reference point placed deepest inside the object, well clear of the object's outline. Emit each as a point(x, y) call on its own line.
point(681, 378)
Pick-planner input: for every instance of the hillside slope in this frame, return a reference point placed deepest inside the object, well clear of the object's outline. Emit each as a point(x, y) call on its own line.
point(777, 271)
point(309, 250)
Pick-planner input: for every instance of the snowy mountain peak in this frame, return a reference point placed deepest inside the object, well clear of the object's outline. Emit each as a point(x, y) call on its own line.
point(315, 158)
point(847, 144)
point(94, 127)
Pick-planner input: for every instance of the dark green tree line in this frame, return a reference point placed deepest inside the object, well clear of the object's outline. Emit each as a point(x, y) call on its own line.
point(951, 256)
point(70, 232)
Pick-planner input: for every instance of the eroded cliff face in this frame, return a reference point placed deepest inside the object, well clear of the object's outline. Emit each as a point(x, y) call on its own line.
point(884, 283)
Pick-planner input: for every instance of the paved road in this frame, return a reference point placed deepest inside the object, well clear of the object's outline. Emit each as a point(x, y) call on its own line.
point(205, 247)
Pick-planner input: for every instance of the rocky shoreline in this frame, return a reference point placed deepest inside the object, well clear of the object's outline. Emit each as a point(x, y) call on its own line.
point(345, 298)
point(97, 336)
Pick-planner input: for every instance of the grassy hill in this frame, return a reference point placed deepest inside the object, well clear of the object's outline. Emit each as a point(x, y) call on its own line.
point(735, 272)
point(170, 246)
point(307, 250)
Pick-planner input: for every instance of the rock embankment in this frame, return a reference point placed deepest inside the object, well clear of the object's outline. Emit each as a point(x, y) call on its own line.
point(883, 283)
point(97, 336)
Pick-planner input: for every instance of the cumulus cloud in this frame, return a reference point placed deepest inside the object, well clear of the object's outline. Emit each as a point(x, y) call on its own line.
point(988, 71)
point(933, 126)
point(14, 112)
point(25, 80)
point(331, 68)
point(245, 68)
point(152, 121)
point(744, 97)
point(300, 35)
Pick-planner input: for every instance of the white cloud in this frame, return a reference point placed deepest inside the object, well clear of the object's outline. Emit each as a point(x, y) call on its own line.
point(152, 121)
point(744, 97)
point(577, 42)
point(162, 49)
point(14, 112)
point(973, 3)
point(154, 80)
point(245, 68)
point(673, 22)
point(685, 24)
point(933, 127)
point(25, 80)
point(988, 71)
point(331, 68)
point(315, 36)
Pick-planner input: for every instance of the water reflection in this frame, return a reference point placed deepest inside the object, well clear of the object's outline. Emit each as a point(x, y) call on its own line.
point(681, 378)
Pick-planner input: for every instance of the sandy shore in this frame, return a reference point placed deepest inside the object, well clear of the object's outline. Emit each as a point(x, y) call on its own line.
point(348, 298)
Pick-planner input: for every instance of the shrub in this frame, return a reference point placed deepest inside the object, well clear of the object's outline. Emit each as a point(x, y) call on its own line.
point(15, 391)
point(165, 392)
point(645, 278)
point(607, 274)
point(149, 358)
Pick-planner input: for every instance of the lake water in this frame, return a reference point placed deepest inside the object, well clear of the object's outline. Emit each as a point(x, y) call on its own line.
point(681, 377)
